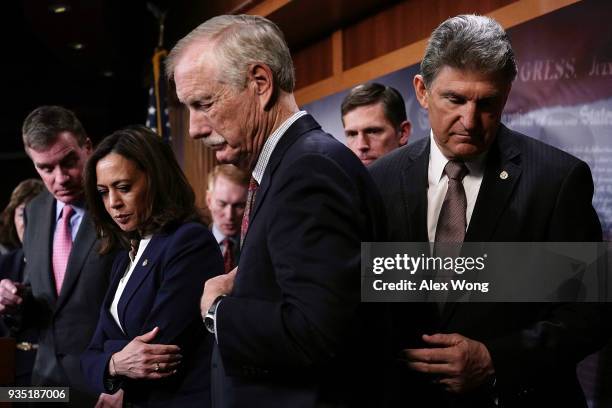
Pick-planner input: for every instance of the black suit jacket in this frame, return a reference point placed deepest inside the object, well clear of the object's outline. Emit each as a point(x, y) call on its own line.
point(289, 334)
point(535, 347)
point(66, 322)
point(163, 291)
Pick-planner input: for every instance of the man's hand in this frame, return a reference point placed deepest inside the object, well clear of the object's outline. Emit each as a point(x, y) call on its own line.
point(458, 363)
point(140, 360)
point(10, 296)
point(110, 400)
point(215, 287)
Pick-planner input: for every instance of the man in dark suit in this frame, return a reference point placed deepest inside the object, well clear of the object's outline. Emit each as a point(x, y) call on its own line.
point(226, 197)
point(64, 279)
point(474, 179)
point(287, 322)
point(374, 120)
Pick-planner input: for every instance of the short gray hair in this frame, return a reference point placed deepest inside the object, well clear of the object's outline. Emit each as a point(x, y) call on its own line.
point(241, 41)
point(470, 42)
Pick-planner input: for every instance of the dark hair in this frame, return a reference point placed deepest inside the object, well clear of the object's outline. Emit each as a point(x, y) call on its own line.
point(472, 42)
point(22, 194)
point(44, 124)
point(170, 198)
point(372, 93)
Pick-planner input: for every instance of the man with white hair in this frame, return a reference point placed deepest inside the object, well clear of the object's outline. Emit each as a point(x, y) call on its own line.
point(287, 323)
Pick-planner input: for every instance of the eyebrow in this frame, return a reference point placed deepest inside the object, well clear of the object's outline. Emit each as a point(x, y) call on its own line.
point(492, 95)
point(115, 183)
point(70, 155)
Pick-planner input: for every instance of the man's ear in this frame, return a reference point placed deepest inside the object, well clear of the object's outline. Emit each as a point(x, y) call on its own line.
point(261, 79)
point(404, 132)
point(208, 199)
point(421, 91)
point(88, 146)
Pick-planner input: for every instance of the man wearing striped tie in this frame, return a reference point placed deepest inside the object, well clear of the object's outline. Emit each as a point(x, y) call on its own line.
point(64, 279)
point(226, 197)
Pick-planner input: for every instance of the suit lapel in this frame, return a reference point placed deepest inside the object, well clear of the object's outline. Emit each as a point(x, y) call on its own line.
point(145, 264)
point(502, 172)
point(120, 269)
point(39, 259)
point(299, 127)
point(83, 244)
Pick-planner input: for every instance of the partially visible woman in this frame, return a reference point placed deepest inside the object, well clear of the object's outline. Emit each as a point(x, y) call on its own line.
point(13, 225)
point(11, 267)
point(150, 340)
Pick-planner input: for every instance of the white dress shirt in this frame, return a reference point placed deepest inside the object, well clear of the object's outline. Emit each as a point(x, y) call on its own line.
point(125, 279)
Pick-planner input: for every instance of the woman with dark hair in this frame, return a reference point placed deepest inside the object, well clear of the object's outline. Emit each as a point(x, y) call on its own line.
point(11, 233)
point(150, 340)
point(11, 267)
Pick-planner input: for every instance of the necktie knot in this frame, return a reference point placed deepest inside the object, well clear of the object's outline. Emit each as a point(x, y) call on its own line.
point(228, 244)
point(67, 212)
point(455, 170)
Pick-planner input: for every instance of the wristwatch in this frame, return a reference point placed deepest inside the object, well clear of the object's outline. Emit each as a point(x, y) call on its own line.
point(209, 319)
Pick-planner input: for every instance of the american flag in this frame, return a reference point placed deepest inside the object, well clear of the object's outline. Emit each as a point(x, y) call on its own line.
point(157, 115)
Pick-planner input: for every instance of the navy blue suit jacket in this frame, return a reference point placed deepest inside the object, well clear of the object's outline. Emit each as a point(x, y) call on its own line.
point(289, 334)
point(164, 290)
point(535, 347)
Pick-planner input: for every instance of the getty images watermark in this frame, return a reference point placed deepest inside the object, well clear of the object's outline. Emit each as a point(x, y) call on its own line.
point(486, 272)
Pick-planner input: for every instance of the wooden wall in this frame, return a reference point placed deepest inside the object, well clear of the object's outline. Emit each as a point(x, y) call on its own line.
point(341, 43)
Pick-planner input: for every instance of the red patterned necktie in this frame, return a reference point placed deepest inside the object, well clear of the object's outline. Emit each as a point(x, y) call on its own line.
point(62, 244)
point(252, 192)
point(228, 255)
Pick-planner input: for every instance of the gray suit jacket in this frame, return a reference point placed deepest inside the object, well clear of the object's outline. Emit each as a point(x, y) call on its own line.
point(66, 322)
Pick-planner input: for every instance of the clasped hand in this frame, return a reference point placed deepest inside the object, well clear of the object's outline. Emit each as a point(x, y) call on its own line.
point(141, 360)
point(455, 362)
point(10, 295)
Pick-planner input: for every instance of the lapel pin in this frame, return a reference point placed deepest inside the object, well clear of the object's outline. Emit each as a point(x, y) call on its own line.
point(503, 175)
point(145, 262)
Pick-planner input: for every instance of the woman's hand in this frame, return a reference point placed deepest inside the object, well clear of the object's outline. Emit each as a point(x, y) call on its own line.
point(140, 360)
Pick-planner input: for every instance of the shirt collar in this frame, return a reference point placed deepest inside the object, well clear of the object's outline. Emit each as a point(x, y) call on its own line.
point(78, 207)
point(217, 234)
point(437, 161)
point(220, 237)
point(270, 144)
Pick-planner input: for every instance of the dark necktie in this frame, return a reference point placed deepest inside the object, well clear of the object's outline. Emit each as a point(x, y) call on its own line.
point(228, 255)
point(451, 222)
point(450, 231)
point(252, 192)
